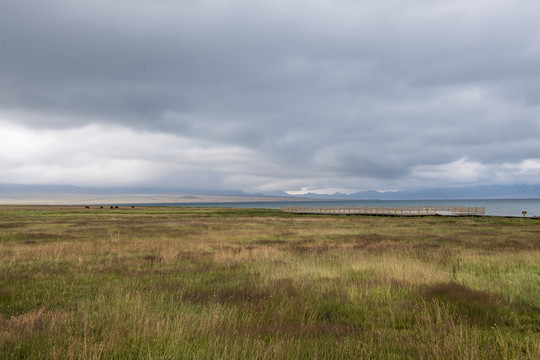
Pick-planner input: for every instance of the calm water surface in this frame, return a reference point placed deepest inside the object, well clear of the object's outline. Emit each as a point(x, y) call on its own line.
point(506, 207)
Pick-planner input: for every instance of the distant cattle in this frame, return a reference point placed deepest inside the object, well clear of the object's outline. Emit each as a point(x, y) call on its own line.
point(87, 207)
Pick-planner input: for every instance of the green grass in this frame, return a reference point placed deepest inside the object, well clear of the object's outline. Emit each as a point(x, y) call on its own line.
point(211, 283)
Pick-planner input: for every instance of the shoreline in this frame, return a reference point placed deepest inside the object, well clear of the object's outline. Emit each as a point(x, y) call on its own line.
point(223, 204)
point(493, 207)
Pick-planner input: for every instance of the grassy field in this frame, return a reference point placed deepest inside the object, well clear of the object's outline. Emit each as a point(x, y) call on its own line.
point(185, 283)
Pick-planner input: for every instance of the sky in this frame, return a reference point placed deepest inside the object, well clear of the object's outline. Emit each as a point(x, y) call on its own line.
point(268, 96)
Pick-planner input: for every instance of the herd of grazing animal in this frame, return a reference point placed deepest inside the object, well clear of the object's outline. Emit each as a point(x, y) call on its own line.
point(112, 207)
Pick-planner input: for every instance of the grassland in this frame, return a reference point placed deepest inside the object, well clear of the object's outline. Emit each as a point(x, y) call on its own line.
point(185, 283)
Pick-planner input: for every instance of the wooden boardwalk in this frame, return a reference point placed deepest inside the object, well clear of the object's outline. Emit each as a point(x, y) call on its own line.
point(388, 211)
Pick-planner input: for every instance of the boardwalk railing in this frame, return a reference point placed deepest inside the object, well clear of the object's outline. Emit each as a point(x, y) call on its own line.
point(388, 211)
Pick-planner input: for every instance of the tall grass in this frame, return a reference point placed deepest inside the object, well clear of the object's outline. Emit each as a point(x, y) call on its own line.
point(179, 283)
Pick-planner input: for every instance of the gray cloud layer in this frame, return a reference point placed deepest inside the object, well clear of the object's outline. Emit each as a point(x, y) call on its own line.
point(326, 94)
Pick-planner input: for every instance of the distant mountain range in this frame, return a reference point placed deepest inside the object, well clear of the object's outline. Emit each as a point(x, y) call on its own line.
point(467, 192)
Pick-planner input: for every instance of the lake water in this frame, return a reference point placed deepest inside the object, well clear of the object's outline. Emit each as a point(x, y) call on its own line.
point(506, 207)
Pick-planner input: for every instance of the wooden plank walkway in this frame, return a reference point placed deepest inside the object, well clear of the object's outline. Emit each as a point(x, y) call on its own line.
point(388, 211)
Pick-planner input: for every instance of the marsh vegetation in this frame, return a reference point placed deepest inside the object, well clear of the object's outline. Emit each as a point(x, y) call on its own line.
point(214, 283)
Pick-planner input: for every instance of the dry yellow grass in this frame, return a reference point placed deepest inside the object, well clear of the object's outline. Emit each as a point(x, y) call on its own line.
point(233, 283)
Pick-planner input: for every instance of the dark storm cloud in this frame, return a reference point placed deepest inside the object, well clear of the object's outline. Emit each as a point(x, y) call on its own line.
point(354, 89)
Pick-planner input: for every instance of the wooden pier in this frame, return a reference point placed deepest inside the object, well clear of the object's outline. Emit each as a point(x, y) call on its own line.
point(388, 211)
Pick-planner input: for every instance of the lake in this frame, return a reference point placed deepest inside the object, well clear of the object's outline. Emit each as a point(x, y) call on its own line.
point(494, 207)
